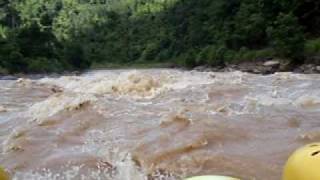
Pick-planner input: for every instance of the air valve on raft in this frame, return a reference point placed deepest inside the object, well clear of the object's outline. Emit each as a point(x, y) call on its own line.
point(303, 164)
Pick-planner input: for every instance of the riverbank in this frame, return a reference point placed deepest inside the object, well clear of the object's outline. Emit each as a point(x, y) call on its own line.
point(135, 65)
point(265, 62)
point(268, 67)
point(261, 66)
point(36, 76)
point(265, 67)
point(4, 75)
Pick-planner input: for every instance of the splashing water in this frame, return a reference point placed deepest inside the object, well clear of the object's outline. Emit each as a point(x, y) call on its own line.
point(156, 124)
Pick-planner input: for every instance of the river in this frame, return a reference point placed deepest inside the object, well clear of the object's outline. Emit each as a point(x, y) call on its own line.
point(156, 124)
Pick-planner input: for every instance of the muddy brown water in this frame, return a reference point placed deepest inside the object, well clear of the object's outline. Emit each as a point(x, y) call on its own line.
point(156, 124)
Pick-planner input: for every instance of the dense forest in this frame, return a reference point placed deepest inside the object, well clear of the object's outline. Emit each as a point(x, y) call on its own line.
point(58, 35)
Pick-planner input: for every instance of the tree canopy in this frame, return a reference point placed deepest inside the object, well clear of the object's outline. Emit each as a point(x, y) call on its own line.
point(57, 35)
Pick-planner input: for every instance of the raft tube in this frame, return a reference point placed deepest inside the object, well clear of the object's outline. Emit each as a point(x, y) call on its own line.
point(3, 174)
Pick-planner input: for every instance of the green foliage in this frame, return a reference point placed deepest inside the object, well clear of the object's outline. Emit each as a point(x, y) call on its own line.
point(249, 26)
point(312, 47)
point(15, 62)
point(11, 58)
point(287, 36)
point(56, 35)
point(216, 55)
point(34, 42)
point(3, 70)
point(190, 59)
point(40, 12)
point(150, 52)
point(250, 55)
point(203, 56)
point(44, 65)
point(3, 31)
point(74, 56)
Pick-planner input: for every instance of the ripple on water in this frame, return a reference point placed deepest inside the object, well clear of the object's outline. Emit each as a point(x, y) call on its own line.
point(156, 124)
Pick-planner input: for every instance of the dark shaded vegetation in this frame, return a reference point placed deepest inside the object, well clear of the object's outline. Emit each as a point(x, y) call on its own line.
point(57, 35)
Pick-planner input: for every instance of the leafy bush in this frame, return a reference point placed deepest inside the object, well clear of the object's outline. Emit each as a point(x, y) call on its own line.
point(43, 65)
point(245, 54)
point(203, 56)
point(190, 59)
point(15, 62)
point(74, 34)
point(150, 52)
point(163, 55)
point(216, 55)
point(312, 47)
point(74, 57)
point(287, 37)
point(3, 70)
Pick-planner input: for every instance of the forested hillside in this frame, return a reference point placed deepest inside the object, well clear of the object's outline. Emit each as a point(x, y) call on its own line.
point(57, 35)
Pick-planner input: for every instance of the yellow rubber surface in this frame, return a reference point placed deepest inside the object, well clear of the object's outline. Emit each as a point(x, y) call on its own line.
point(304, 164)
point(3, 175)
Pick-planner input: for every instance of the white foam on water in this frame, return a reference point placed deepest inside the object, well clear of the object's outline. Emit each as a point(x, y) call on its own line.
point(231, 78)
point(134, 84)
point(307, 101)
point(123, 169)
point(70, 173)
point(10, 144)
point(57, 103)
point(24, 82)
point(3, 109)
point(138, 96)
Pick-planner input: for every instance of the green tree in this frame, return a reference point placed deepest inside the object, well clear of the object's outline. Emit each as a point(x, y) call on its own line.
point(286, 36)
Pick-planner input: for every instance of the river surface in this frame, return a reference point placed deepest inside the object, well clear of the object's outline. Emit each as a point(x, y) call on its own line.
point(156, 124)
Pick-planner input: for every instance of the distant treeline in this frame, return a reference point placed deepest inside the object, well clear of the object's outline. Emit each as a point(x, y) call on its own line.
point(58, 35)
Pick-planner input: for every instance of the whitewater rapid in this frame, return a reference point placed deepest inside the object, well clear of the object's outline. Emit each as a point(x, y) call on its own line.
point(159, 124)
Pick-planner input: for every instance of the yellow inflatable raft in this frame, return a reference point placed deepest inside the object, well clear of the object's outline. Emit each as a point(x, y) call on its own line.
point(3, 174)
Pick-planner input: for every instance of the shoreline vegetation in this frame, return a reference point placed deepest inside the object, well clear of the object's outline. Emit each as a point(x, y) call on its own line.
point(256, 63)
point(262, 67)
point(56, 36)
